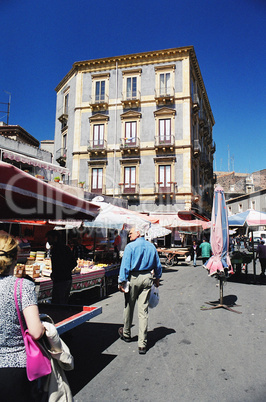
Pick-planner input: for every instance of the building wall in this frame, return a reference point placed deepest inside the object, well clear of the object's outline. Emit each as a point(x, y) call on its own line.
point(79, 84)
point(256, 201)
point(24, 149)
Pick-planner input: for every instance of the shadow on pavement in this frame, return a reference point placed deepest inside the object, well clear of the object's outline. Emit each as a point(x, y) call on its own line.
point(86, 343)
point(166, 270)
point(228, 300)
point(248, 279)
point(158, 334)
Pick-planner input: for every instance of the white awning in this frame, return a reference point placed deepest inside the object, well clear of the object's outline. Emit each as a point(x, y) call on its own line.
point(14, 156)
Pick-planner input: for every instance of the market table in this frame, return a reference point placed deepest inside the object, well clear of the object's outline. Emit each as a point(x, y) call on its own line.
point(83, 281)
point(239, 259)
point(111, 275)
point(67, 317)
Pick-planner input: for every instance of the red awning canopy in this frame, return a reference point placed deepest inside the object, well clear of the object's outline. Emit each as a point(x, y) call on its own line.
point(190, 215)
point(185, 225)
point(22, 196)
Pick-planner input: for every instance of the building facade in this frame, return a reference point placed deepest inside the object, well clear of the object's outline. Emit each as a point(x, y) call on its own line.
point(139, 127)
point(21, 149)
point(255, 200)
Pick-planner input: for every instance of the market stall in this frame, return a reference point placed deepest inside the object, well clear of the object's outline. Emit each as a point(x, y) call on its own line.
point(67, 317)
point(94, 277)
point(248, 220)
point(23, 196)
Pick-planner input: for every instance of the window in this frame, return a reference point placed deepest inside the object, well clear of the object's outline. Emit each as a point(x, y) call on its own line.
point(99, 91)
point(165, 86)
point(97, 180)
point(64, 142)
point(130, 129)
point(130, 179)
point(66, 99)
point(98, 132)
point(164, 83)
point(240, 207)
point(164, 126)
point(130, 132)
point(165, 130)
point(131, 87)
point(164, 177)
point(98, 135)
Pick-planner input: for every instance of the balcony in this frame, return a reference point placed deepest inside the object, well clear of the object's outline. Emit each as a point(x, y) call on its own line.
point(213, 148)
point(169, 188)
point(129, 145)
point(206, 130)
point(196, 148)
point(205, 164)
point(164, 95)
point(195, 102)
point(202, 119)
point(60, 156)
point(129, 189)
point(97, 147)
point(98, 190)
point(130, 99)
point(63, 116)
point(164, 142)
point(99, 102)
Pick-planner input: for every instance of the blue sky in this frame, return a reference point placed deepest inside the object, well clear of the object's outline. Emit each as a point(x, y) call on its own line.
point(40, 41)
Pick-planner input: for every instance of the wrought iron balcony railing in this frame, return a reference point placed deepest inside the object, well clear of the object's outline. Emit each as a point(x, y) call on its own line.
point(165, 188)
point(129, 188)
point(128, 143)
point(164, 140)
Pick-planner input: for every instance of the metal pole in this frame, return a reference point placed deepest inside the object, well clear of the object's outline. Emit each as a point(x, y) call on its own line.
point(253, 253)
point(221, 291)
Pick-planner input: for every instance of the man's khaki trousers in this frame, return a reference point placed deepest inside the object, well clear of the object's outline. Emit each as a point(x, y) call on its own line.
point(140, 288)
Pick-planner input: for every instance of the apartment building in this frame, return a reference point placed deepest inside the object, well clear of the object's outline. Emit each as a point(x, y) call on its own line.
point(139, 127)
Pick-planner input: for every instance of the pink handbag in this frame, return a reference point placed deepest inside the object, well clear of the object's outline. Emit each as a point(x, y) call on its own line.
point(38, 363)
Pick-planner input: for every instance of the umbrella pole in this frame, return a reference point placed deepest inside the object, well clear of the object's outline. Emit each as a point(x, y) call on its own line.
point(221, 291)
point(219, 304)
point(253, 252)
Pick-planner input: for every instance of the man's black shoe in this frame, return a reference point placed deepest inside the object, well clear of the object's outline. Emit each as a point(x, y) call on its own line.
point(124, 338)
point(142, 351)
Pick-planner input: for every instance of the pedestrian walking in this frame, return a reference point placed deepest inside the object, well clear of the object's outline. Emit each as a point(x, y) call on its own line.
point(206, 249)
point(261, 254)
point(140, 267)
point(194, 252)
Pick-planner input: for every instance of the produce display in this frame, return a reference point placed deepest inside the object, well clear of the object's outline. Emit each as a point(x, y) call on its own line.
point(38, 266)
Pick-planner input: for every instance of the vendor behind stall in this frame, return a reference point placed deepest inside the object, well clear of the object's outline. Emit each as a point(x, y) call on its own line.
point(63, 261)
point(117, 244)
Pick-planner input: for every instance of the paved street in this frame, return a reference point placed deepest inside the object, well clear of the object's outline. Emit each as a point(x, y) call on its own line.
point(193, 355)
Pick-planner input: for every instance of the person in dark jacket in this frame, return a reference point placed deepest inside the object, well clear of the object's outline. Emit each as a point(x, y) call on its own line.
point(63, 262)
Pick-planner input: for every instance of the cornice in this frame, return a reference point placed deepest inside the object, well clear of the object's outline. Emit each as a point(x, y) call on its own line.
point(195, 64)
point(108, 63)
point(136, 60)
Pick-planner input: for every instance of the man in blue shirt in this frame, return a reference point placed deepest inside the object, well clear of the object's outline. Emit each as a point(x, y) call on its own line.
point(140, 263)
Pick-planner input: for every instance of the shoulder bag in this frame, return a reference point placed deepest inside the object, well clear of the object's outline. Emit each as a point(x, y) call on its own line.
point(38, 363)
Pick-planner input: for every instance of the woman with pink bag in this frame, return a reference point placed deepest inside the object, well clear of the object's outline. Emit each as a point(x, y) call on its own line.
point(14, 384)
